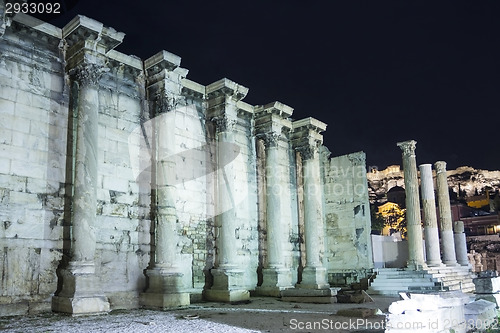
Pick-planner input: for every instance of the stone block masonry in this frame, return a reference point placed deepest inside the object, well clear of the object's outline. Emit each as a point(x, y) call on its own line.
point(124, 184)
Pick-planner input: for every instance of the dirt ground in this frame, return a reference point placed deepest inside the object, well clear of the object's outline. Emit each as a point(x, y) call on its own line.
point(260, 315)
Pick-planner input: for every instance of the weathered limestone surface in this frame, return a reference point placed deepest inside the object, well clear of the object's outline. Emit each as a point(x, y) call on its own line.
point(347, 217)
point(123, 183)
point(34, 119)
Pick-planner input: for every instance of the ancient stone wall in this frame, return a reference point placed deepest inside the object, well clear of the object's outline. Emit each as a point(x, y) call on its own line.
point(347, 217)
point(177, 173)
point(33, 132)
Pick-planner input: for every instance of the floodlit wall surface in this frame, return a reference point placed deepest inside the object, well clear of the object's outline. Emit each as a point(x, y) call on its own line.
point(148, 149)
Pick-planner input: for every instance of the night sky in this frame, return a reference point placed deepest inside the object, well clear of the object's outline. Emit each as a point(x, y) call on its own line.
point(377, 72)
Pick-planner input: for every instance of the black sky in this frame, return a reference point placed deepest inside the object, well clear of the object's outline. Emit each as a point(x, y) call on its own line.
point(377, 72)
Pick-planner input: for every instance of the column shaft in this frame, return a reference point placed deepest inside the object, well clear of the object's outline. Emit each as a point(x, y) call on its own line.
point(80, 292)
point(414, 227)
point(226, 241)
point(228, 277)
point(85, 181)
point(314, 274)
point(446, 226)
point(312, 211)
point(429, 206)
point(273, 209)
point(272, 125)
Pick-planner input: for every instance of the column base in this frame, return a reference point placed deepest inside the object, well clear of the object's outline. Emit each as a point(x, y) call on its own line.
point(451, 263)
point(434, 263)
point(80, 293)
point(227, 287)
point(275, 280)
point(314, 288)
point(81, 305)
point(164, 301)
point(165, 289)
point(415, 266)
point(314, 278)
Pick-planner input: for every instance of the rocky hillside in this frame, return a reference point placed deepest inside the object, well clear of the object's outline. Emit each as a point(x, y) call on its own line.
point(464, 181)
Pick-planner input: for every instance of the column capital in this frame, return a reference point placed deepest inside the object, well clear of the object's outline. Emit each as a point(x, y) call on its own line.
point(87, 73)
point(408, 147)
point(440, 166)
point(223, 123)
point(307, 152)
point(271, 139)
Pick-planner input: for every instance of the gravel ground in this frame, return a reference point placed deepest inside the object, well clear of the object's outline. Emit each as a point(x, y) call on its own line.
point(260, 315)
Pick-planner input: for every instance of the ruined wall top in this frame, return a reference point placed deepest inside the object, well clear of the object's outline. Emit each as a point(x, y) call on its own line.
point(86, 40)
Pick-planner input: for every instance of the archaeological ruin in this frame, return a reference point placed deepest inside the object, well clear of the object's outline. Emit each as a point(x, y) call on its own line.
point(123, 184)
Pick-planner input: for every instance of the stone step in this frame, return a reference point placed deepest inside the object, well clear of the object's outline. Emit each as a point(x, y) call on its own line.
point(403, 273)
point(454, 278)
point(405, 280)
point(395, 290)
point(390, 281)
point(404, 283)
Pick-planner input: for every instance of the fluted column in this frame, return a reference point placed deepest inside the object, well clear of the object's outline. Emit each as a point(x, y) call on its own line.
point(307, 141)
point(460, 243)
point(413, 218)
point(445, 219)
point(431, 231)
point(271, 122)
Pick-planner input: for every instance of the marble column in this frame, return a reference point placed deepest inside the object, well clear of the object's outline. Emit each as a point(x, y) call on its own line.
point(307, 141)
point(87, 42)
point(413, 218)
point(431, 231)
point(80, 292)
point(228, 276)
point(460, 243)
point(166, 288)
point(446, 225)
point(276, 275)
